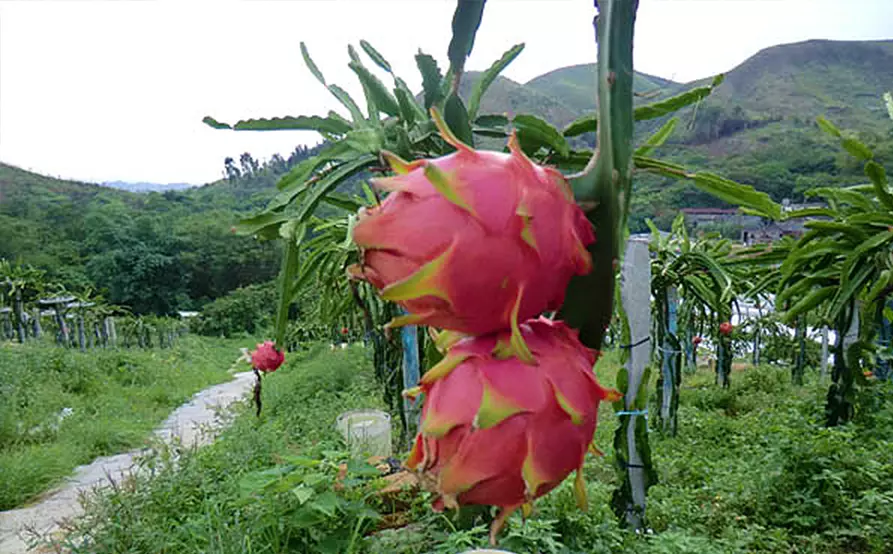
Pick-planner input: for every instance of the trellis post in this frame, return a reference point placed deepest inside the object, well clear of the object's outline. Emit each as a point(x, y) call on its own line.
point(112, 332)
point(35, 325)
point(18, 314)
point(411, 374)
point(670, 358)
point(632, 452)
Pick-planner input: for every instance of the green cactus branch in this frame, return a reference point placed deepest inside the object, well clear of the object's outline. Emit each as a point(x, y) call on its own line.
point(603, 188)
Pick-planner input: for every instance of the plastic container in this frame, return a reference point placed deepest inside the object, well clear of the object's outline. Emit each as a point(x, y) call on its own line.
point(367, 432)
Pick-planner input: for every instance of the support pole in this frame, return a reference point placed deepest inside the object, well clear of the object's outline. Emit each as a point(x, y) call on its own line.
point(18, 314)
point(36, 330)
point(670, 357)
point(411, 375)
point(633, 453)
point(82, 339)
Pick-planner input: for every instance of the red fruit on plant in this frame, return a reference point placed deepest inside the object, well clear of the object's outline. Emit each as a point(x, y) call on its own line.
point(498, 431)
point(696, 340)
point(267, 357)
point(725, 328)
point(474, 241)
point(344, 330)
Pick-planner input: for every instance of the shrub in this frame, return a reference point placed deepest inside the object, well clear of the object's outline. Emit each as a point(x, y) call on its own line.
point(244, 311)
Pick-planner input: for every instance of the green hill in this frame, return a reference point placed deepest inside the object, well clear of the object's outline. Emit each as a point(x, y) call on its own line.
point(155, 252)
point(560, 96)
point(575, 86)
point(759, 126)
point(841, 80)
point(507, 96)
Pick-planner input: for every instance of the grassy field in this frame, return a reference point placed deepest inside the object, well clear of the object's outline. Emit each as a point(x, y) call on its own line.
point(752, 470)
point(62, 408)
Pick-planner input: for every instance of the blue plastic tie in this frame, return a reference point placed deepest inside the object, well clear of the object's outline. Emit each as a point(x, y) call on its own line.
point(633, 412)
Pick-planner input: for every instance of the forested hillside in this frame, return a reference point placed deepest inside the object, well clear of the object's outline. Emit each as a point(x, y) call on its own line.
point(153, 252)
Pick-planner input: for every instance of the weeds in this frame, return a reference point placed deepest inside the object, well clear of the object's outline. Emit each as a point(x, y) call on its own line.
point(752, 470)
point(61, 408)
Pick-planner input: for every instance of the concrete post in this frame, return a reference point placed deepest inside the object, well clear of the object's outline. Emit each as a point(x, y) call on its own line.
point(635, 294)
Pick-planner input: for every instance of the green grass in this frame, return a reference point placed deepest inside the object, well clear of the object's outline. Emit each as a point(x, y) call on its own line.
point(116, 398)
point(214, 502)
point(752, 470)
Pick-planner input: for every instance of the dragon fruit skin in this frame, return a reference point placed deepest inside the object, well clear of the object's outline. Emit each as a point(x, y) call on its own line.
point(498, 431)
point(266, 357)
point(474, 241)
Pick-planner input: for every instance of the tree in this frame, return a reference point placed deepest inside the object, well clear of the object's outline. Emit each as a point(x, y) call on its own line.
point(250, 166)
point(230, 170)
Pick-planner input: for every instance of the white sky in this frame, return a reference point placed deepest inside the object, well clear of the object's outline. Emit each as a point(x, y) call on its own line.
point(115, 90)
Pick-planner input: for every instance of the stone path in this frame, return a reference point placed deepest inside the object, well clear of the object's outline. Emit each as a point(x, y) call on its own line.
point(192, 424)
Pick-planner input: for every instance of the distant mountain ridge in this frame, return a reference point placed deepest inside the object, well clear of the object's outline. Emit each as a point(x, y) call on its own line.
point(146, 187)
point(839, 79)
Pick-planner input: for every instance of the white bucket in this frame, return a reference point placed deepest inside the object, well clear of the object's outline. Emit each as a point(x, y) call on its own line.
point(367, 432)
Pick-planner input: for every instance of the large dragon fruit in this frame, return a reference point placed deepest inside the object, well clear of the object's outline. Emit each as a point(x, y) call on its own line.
point(498, 431)
point(474, 241)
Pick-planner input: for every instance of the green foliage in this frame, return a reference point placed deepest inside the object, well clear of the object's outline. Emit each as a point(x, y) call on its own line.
point(246, 310)
point(841, 268)
point(694, 270)
point(62, 408)
point(604, 188)
point(153, 252)
point(266, 483)
point(752, 471)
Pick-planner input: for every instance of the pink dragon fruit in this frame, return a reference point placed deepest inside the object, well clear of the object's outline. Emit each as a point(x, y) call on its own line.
point(474, 241)
point(498, 431)
point(266, 357)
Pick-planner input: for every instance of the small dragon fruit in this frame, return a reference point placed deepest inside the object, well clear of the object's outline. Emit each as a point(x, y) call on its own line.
point(266, 357)
point(498, 431)
point(474, 241)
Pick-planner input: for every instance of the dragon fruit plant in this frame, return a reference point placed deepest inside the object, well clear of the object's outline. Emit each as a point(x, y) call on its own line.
point(478, 245)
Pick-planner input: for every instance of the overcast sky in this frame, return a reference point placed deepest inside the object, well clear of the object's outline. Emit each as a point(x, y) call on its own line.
point(115, 90)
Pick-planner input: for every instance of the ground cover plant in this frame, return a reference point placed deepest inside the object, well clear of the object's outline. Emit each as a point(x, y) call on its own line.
point(216, 499)
point(752, 469)
point(60, 408)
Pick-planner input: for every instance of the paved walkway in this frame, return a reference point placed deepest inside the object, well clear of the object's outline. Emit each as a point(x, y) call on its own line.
point(193, 423)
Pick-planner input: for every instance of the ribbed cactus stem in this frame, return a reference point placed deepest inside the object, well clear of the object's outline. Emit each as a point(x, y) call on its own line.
point(603, 188)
